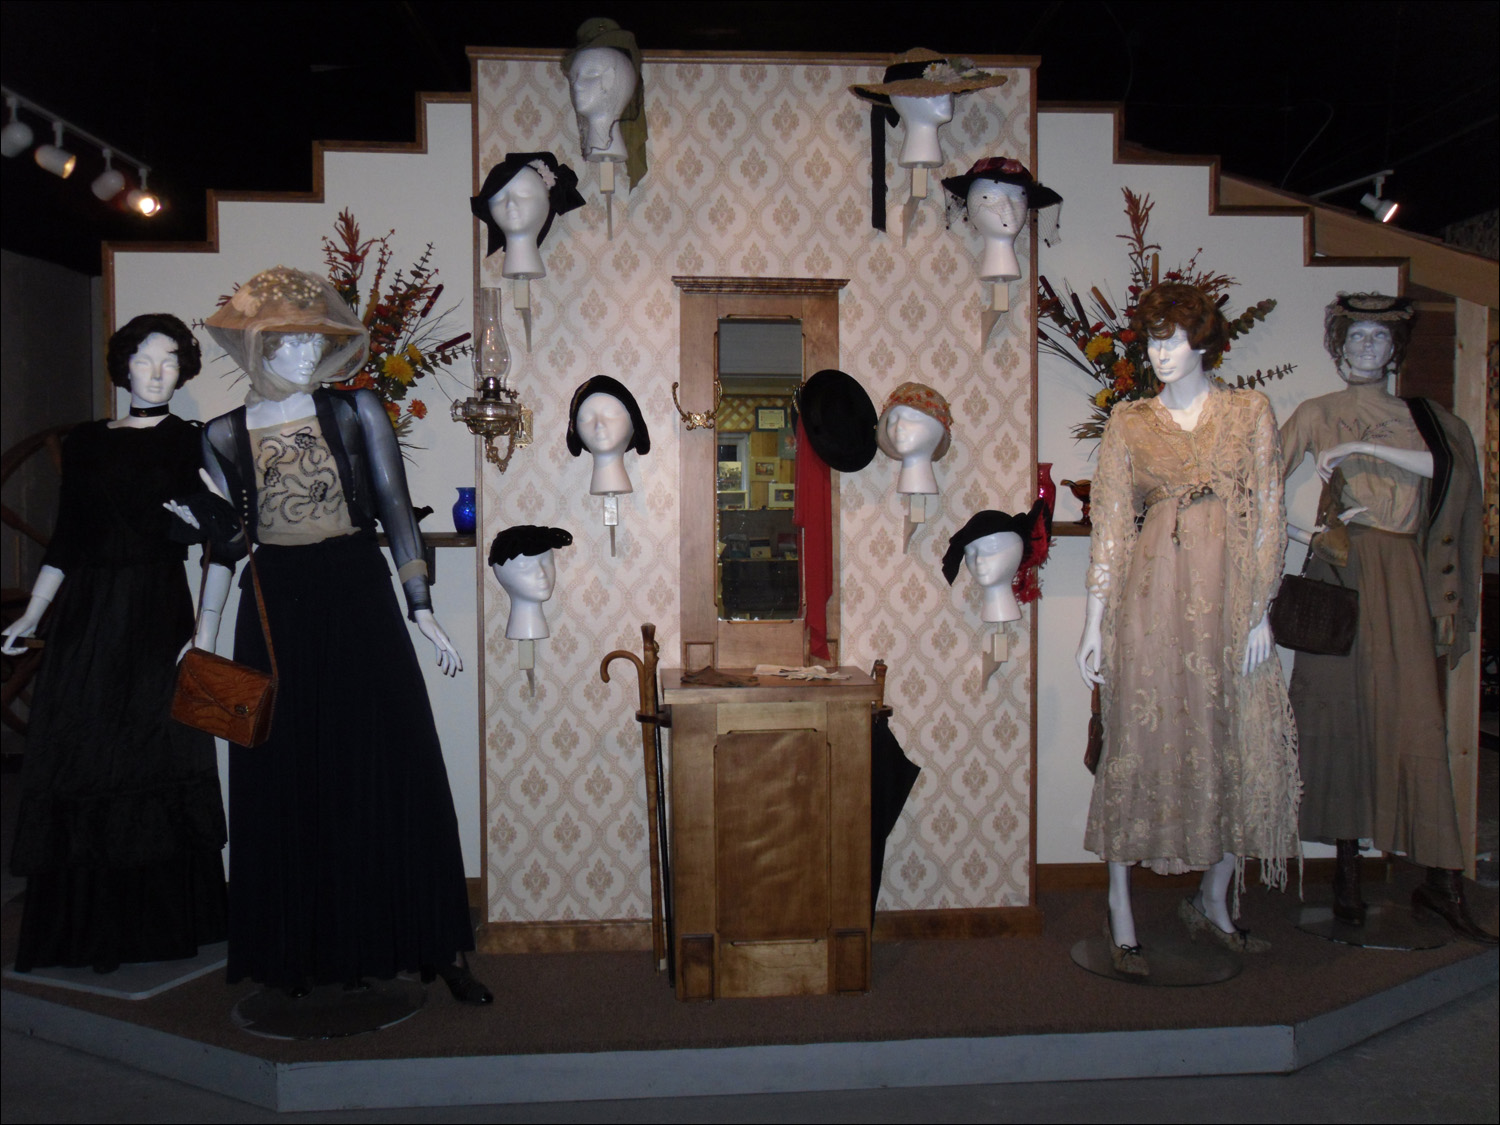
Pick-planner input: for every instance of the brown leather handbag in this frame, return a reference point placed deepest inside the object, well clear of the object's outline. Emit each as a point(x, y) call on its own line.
point(227, 699)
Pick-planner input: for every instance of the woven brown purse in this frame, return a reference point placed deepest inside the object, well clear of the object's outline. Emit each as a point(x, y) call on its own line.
point(227, 699)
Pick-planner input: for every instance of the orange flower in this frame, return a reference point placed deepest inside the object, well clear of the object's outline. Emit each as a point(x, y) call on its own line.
point(418, 408)
point(394, 411)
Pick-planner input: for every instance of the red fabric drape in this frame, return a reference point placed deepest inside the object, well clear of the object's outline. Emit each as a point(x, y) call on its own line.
point(813, 513)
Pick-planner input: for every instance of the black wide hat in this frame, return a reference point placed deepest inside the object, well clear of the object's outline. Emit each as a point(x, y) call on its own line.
point(1003, 170)
point(839, 420)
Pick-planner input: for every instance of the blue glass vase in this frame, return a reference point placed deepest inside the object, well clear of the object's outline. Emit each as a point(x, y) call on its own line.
point(463, 511)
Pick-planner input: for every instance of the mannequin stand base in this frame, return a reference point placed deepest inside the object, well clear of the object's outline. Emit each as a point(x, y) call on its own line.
point(1175, 962)
point(1387, 926)
point(329, 1011)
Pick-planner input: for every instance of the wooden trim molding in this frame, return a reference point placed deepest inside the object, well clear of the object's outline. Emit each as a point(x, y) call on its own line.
point(776, 285)
point(990, 922)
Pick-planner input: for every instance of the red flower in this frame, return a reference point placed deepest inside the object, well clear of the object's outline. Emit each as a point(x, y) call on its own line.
point(418, 408)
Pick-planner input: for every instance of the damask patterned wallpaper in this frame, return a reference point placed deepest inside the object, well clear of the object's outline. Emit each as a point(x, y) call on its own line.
point(758, 169)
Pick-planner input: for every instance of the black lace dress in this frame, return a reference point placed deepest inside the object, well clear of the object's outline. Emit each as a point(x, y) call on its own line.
point(121, 821)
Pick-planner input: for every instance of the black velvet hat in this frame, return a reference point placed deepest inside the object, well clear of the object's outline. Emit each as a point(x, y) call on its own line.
point(526, 539)
point(839, 419)
point(640, 437)
point(991, 522)
point(562, 192)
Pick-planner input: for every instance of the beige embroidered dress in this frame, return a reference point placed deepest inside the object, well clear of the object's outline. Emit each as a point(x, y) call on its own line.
point(1198, 759)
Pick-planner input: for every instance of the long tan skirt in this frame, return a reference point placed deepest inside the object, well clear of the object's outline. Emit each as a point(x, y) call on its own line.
point(1374, 750)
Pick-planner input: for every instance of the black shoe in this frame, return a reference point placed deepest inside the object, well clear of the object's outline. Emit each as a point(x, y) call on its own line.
point(465, 986)
point(1348, 904)
point(1443, 895)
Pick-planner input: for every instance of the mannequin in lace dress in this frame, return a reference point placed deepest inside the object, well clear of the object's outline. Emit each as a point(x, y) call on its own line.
point(1199, 764)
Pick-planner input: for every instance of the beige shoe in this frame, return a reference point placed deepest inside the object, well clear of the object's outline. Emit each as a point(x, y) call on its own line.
point(1197, 923)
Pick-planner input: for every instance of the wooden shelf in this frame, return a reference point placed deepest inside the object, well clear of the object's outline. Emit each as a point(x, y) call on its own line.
point(1072, 528)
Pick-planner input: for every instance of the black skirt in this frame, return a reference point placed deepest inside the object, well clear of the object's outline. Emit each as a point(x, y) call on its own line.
point(344, 852)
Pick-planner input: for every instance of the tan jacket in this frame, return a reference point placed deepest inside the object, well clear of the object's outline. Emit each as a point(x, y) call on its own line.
point(1453, 529)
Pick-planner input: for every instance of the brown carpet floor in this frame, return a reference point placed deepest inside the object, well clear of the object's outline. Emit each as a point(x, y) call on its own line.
point(922, 989)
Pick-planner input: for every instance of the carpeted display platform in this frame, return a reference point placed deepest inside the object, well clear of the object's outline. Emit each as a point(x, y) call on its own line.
point(571, 1026)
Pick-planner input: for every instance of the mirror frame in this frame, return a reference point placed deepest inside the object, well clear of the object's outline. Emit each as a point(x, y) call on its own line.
point(705, 301)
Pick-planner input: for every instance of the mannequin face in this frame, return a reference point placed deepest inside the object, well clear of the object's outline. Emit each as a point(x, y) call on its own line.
point(997, 210)
point(601, 81)
point(520, 207)
point(153, 370)
point(993, 559)
point(1368, 347)
point(910, 432)
point(934, 111)
point(294, 356)
point(604, 424)
point(1173, 358)
point(530, 578)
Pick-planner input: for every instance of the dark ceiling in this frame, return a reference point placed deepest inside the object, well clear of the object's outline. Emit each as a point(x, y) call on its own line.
point(230, 95)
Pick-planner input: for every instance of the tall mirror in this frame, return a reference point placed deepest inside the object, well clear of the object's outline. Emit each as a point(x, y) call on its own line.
point(746, 344)
point(757, 548)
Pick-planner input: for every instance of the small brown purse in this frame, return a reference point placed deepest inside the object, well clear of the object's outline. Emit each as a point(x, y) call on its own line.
point(1310, 615)
point(227, 699)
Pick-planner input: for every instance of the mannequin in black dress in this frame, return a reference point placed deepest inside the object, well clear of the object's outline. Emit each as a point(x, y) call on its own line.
point(121, 822)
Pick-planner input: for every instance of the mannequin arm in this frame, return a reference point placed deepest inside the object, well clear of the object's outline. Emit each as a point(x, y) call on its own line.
point(1091, 645)
point(48, 579)
point(447, 656)
point(215, 594)
point(1416, 461)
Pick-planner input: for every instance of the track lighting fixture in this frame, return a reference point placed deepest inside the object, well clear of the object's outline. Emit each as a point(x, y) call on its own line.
point(108, 183)
point(16, 137)
point(56, 159)
point(1383, 209)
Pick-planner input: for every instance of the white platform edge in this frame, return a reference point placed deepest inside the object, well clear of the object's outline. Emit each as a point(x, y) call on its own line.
point(502, 1079)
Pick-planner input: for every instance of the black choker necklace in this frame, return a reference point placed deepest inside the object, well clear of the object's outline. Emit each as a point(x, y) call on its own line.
point(148, 411)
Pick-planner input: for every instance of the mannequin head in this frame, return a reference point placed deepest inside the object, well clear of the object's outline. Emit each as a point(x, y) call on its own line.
point(290, 332)
point(998, 212)
point(602, 82)
point(517, 203)
point(1367, 335)
point(1003, 553)
point(920, 146)
point(605, 419)
point(293, 356)
point(915, 428)
point(521, 559)
point(997, 195)
point(1165, 308)
point(1173, 357)
point(992, 561)
point(129, 340)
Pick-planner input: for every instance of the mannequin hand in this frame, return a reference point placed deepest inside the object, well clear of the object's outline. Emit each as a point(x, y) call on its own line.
point(21, 628)
point(1090, 649)
point(1330, 459)
point(1259, 646)
point(1301, 534)
point(183, 512)
point(447, 656)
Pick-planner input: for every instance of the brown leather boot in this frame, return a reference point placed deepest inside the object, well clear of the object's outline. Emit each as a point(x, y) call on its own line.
point(1443, 895)
point(1348, 906)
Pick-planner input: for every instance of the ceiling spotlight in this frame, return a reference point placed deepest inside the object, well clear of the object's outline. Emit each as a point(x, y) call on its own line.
point(15, 138)
point(56, 159)
point(140, 199)
point(1383, 209)
point(109, 183)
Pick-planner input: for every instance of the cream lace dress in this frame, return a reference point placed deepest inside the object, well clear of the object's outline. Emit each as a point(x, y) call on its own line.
point(1198, 759)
